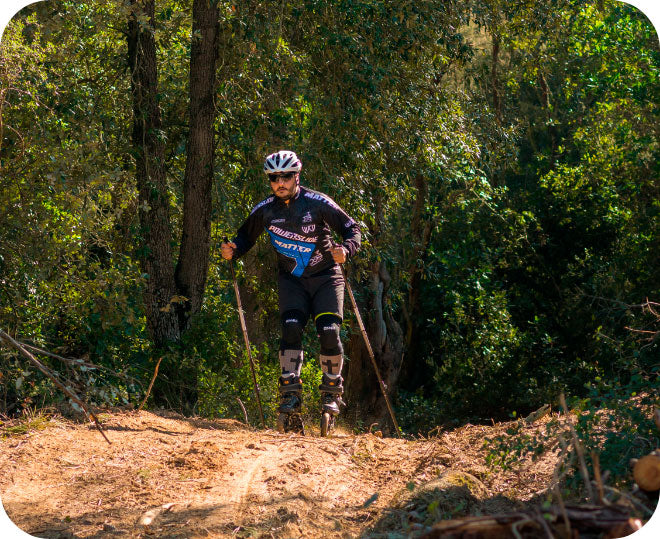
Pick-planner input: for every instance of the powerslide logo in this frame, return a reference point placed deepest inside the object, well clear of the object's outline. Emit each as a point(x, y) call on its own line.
point(299, 251)
point(308, 229)
point(291, 235)
point(262, 203)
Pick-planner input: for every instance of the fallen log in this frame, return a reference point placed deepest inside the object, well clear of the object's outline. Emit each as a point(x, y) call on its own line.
point(611, 521)
point(491, 527)
point(538, 414)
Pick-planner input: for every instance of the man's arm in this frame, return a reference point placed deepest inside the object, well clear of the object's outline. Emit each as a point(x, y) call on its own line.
point(246, 236)
point(345, 226)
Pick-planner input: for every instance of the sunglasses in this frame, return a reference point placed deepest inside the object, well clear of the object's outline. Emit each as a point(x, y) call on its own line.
point(276, 177)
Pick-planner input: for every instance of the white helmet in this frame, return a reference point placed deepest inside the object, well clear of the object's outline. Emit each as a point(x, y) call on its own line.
point(282, 161)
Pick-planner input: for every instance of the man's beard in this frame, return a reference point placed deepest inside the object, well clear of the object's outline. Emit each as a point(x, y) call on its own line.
point(289, 194)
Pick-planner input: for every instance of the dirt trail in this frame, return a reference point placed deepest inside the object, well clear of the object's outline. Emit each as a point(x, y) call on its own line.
point(170, 476)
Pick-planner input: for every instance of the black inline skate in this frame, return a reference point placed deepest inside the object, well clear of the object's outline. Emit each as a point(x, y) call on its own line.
point(331, 391)
point(289, 419)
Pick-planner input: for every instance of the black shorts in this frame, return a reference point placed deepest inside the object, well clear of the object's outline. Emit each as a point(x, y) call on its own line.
point(321, 293)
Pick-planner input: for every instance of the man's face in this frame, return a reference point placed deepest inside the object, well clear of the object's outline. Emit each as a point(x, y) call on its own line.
point(284, 186)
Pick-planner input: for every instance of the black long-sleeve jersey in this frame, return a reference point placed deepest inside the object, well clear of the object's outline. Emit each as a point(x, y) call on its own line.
point(300, 231)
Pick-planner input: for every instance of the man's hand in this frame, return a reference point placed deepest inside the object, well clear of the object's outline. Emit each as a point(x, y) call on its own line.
point(339, 254)
point(227, 250)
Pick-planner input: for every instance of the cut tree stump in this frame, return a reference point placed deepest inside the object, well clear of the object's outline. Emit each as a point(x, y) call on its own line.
point(646, 473)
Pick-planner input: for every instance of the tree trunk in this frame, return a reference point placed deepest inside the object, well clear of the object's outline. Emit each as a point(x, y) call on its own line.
point(552, 126)
point(148, 148)
point(363, 392)
point(421, 230)
point(168, 313)
point(494, 79)
point(193, 263)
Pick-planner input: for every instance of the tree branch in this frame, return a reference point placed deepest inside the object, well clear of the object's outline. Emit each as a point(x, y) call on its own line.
point(45, 370)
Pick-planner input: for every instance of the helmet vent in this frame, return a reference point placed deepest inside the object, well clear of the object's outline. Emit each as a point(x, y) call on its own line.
point(282, 162)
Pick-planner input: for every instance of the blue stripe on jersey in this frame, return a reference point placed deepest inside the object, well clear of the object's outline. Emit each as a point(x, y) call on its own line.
point(300, 251)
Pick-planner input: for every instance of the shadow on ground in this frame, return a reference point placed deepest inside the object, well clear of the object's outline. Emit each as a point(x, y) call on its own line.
point(452, 495)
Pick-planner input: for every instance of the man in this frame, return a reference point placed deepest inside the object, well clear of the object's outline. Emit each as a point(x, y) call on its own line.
point(300, 222)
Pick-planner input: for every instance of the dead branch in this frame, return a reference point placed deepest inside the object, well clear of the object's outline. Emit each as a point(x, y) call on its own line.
point(578, 449)
point(538, 414)
point(244, 410)
point(651, 336)
point(151, 384)
point(77, 362)
point(45, 370)
point(561, 460)
point(546, 528)
point(630, 498)
point(648, 332)
point(552, 523)
point(562, 509)
point(599, 481)
point(649, 306)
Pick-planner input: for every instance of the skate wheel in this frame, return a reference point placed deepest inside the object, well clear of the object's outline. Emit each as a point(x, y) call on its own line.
point(326, 424)
point(282, 423)
point(296, 425)
point(290, 423)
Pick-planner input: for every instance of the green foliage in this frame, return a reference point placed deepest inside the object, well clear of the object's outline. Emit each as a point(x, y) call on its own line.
point(613, 420)
point(30, 421)
point(416, 413)
point(530, 281)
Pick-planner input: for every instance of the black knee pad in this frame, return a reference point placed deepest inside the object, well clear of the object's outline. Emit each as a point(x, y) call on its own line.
point(293, 325)
point(328, 326)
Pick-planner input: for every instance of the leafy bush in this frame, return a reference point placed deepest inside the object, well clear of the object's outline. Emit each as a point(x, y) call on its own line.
point(614, 421)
